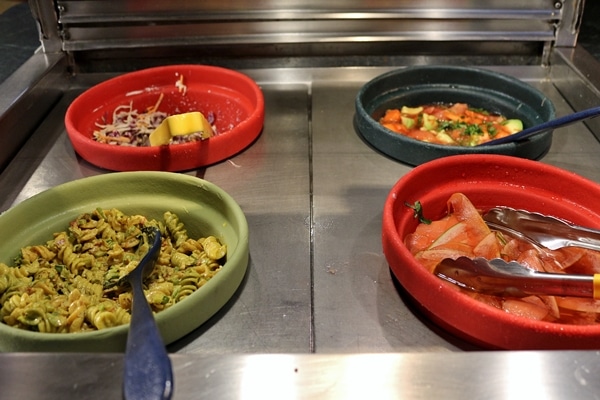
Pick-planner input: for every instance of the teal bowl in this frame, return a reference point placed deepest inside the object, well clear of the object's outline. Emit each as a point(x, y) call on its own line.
point(204, 208)
point(480, 88)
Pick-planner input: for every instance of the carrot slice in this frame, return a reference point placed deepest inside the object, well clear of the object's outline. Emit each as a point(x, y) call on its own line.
point(548, 302)
point(588, 263)
point(457, 233)
point(525, 309)
point(426, 234)
point(530, 259)
point(488, 248)
point(462, 208)
point(579, 304)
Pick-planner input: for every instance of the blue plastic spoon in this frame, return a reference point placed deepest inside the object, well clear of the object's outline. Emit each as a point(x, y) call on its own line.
point(555, 123)
point(147, 372)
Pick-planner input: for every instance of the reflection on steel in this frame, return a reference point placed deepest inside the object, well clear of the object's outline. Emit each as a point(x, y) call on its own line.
point(495, 375)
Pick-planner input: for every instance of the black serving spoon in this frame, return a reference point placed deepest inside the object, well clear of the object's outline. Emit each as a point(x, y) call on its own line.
point(552, 124)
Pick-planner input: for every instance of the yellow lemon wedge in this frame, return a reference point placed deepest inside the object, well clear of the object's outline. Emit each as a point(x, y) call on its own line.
point(179, 125)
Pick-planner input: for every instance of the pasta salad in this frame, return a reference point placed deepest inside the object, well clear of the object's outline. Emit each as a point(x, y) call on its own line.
point(75, 282)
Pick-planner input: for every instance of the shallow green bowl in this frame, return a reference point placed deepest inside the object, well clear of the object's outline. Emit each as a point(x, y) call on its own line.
point(204, 208)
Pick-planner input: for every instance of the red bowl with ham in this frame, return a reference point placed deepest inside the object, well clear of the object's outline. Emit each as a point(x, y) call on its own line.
point(487, 181)
point(231, 100)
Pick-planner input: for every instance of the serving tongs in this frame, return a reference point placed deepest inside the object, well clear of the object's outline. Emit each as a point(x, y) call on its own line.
point(500, 278)
point(550, 232)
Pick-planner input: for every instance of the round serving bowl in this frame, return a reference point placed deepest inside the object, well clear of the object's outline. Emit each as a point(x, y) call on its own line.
point(488, 181)
point(479, 88)
point(233, 98)
point(204, 208)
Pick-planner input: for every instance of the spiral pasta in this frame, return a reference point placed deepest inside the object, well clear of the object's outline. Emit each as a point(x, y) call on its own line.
point(75, 282)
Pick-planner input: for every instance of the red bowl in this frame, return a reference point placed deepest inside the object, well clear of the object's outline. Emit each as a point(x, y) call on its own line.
point(488, 181)
point(236, 101)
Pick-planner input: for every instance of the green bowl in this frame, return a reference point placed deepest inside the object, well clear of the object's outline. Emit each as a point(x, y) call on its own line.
point(204, 208)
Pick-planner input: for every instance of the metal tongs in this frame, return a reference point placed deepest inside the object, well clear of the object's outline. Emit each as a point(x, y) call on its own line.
point(550, 232)
point(499, 277)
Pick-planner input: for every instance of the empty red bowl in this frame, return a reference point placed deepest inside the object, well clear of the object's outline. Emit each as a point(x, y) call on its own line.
point(488, 181)
point(235, 100)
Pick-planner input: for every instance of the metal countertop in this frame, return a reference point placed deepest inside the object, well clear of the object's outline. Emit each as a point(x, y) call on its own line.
point(492, 375)
point(318, 314)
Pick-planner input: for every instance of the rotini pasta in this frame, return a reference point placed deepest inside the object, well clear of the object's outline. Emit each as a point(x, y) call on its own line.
point(75, 282)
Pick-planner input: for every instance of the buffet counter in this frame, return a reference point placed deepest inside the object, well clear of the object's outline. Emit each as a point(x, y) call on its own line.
point(318, 315)
point(318, 299)
point(475, 375)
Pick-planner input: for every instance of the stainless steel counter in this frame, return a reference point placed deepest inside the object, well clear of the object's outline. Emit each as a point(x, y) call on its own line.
point(318, 314)
point(494, 376)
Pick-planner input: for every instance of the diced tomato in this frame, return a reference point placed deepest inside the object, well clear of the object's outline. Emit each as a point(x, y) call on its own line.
point(446, 124)
point(430, 109)
point(392, 115)
point(459, 108)
point(397, 127)
point(423, 136)
point(474, 117)
point(449, 115)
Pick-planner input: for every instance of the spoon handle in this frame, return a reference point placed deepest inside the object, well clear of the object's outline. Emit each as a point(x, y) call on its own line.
point(555, 123)
point(148, 371)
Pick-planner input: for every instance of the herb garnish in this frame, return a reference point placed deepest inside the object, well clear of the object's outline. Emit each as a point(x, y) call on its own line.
point(467, 129)
point(418, 212)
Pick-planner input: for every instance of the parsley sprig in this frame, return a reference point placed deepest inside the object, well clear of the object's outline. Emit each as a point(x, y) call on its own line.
point(466, 129)
point(418, 212)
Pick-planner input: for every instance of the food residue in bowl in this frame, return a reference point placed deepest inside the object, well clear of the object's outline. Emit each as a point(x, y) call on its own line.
point(463, 232)
point(74, 282)
point(449, 124)
point(180, 85)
